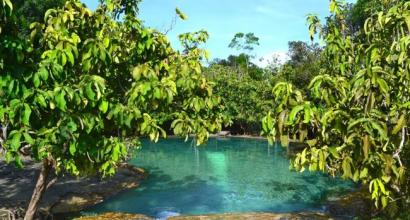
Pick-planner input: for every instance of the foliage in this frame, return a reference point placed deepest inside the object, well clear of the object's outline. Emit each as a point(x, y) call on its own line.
point(29, 11)
point(303, 65)
point(245, 99)
point(95, 73)
point(356, 14)
point(93, 81)
point(246, 44)
point(359, 107)
point(240, 65)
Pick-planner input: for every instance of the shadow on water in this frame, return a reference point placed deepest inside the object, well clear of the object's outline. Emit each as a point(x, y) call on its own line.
point(188, 195)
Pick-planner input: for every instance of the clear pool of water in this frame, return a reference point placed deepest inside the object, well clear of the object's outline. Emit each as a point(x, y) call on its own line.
point(224, 176)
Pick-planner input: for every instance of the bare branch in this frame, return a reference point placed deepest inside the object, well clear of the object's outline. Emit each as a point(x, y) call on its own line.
point(403, 138)
point(25, 150)
point(51, 183)
point(3, 136)
point(172, 25)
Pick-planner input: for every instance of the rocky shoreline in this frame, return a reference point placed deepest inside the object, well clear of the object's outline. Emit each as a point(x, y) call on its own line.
point(69, 194)
point(228, 216)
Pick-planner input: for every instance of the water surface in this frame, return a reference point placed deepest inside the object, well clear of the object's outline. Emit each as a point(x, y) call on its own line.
point(225, 175)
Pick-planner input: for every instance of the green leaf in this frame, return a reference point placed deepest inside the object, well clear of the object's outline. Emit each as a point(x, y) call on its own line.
point(63, 59)
point(103, 106)
point(382, 131)
point(400, 124)
point(70, 57)
point(294, 112)
point(72, 148)
point(28, 139)
point(356, 122)
point(333, 151)
point(181, 14)
point(41, 101)
point(381, 185)
point(15, 137)
point(384, 201)
point(363, 173)
point(26, 115)
point(60, 100)
point(106, 42)
point(89, 92)
point(383, 85)
point(307, 115)
point(115, 152)
point(43, 73)
point(36, 80)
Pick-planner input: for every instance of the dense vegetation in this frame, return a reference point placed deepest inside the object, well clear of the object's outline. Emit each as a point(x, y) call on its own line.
point(79, 87)
point(246, 89)
point(358, 107)
point(84, 82)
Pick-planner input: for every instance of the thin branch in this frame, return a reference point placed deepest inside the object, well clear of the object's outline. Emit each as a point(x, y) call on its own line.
point(3, 136)
point(51, 183)
point(24, 150)
point(172, 25)
point(403, 138)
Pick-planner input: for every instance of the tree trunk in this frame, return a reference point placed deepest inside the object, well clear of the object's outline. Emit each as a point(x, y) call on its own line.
point(41, 186)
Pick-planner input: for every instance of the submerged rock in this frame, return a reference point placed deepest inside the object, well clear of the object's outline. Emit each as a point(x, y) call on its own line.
point(353, 204)
point(295, 147)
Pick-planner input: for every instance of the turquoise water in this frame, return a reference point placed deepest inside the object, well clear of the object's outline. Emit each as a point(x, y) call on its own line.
point(225, 175)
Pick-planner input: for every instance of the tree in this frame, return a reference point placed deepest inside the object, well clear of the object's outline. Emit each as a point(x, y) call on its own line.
point(359, 108)
point(241, 67)
point(245, 43)
point(91, 83)
point(357, 14)
point(303, 64)
point(29, 11)
point(245, 99)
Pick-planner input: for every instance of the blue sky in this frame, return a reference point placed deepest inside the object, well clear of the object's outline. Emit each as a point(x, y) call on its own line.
point(275, 22)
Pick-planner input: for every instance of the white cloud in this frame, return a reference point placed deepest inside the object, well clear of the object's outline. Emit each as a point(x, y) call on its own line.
point(265, 60)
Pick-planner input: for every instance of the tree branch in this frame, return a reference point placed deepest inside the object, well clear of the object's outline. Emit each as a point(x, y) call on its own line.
point(3, 136)
point(24, 150)
point(51, 183)
point(403, 138)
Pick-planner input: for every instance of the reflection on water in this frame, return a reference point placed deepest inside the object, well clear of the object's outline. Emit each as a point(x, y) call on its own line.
point(226, 175)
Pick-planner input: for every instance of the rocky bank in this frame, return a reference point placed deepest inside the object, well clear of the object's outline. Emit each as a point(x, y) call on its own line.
point(68, 194)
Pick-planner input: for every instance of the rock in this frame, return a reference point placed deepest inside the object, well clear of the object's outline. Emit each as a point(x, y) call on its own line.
point(68, 194)
point(223, 133)
point(76, 202)
point(353, 204)
point(6, 214)
point(241, 216)
point(116, 216)
point(167, 214)
point(92, 191)
point(256, 216)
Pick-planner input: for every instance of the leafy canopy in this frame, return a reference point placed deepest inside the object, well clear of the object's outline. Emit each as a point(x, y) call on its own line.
point(85, 82)
point(355, 120)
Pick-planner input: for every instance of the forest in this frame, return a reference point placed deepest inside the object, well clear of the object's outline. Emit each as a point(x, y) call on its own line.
point(81, 90)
